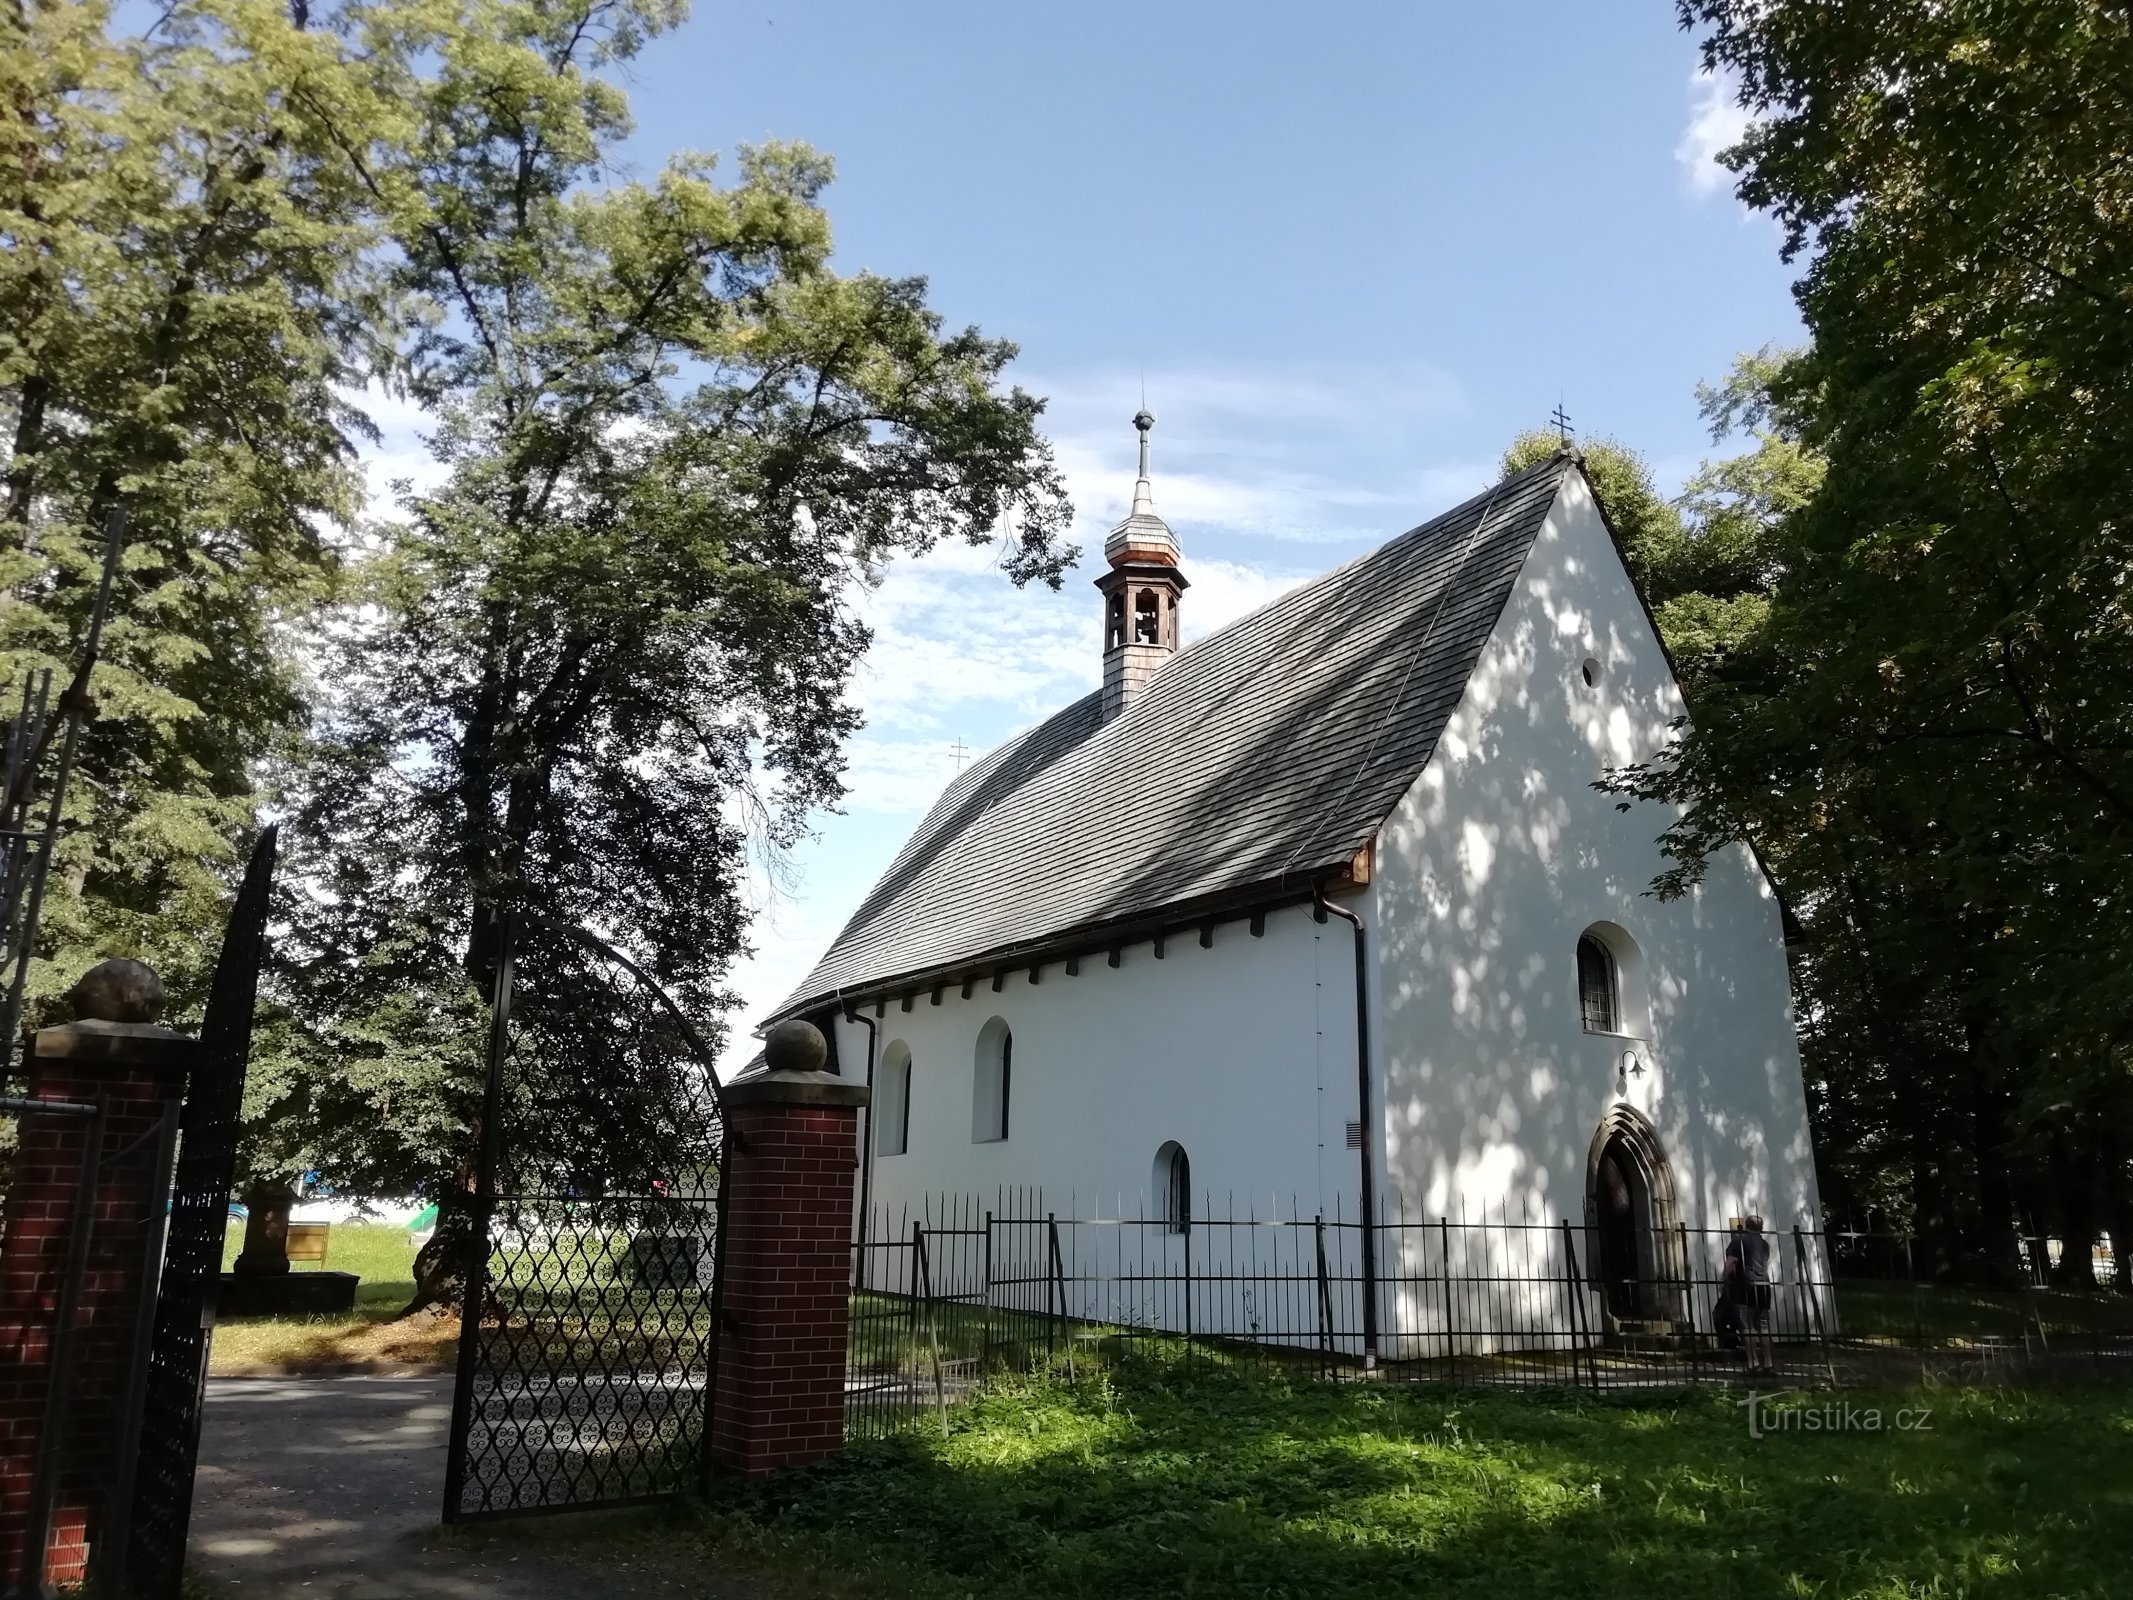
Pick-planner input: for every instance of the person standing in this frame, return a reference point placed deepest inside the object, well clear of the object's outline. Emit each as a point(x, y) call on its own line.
point(1747, 1282)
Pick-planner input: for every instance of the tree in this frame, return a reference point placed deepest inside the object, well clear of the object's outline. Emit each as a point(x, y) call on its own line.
point(612, 646)
point(1926, 737)
point(187, 295)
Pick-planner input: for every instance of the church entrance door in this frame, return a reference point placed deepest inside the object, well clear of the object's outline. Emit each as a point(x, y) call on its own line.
point(1632, 1223)
point(1623, 1211)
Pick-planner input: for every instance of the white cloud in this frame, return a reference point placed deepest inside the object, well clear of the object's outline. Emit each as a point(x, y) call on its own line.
point(1293, 452)
point(1223, 591)
point(788, 935)
point(1717, 120)
point(401, 451)
point(1296, 454)
point(948, 639)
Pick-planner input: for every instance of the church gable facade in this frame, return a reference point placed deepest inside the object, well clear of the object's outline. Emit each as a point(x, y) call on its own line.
point(1323, 916)
point(1555, 1041)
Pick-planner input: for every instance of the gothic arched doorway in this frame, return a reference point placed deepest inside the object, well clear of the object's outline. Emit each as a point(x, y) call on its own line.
point(1632, 1226)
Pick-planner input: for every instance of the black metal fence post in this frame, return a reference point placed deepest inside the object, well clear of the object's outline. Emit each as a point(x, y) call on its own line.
point(985, 1334)
point(1580, 1338)
point(210, 1124)
point(484, 1216)
point(1820, 1328)
point(1451, 1326)
point(1051, 1325)
point(925, 1300)
point(1325, 1296)
point(111, 1552)
point(1688, 1281)
point(1188, 1289)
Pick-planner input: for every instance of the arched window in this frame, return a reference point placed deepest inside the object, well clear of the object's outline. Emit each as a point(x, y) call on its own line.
point(993, 1083)
point(1147, 619)
point(1599, 999)
point(1173, 1187)
point(892, 1100)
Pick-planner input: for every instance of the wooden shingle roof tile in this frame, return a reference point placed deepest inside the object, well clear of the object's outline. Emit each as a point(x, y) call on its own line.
point(1266, 754)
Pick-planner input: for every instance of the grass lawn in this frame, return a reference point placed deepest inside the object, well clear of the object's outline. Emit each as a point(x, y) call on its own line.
point(1957, 1313)
point(1145, 1481)
point(361, 1341)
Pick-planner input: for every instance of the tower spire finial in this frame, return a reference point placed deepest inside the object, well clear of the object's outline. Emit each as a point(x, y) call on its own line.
point(1140, 590)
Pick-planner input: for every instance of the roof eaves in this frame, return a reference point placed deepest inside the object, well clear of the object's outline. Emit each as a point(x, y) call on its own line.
point(1294, 887)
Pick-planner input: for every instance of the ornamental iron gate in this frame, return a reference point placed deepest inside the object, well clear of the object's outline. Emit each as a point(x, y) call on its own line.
point(174, 1376)
point(589, 1324)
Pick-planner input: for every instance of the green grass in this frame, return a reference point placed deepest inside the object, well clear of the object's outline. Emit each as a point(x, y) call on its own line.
point(1145, 1481)
point(1956, 1313)
point(893, 1335)
point(361, 1340)
point(377, 1252)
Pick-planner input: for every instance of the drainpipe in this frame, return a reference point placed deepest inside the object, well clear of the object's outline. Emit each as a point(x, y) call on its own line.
point(866, 1155)
point(1321, 906)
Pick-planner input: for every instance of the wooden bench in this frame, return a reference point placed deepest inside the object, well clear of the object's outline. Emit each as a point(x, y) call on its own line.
point(307, 1242)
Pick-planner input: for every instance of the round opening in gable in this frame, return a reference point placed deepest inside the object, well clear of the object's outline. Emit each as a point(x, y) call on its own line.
point(1589, 672)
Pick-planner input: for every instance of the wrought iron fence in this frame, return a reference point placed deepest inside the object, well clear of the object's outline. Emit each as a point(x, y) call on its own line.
point(590, 1315)
point(963, 1288)
point(169, 1382)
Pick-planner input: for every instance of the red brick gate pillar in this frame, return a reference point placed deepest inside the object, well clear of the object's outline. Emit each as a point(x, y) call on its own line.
point(791, 1156)
point(115, 1054)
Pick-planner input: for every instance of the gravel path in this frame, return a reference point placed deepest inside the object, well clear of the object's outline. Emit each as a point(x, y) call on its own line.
point(328, 1489)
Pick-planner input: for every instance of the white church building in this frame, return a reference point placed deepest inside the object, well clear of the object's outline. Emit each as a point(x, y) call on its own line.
point(1323, 916)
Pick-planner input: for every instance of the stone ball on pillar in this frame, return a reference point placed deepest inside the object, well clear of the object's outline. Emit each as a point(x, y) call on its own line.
point(795, 1046)
point(118, 990)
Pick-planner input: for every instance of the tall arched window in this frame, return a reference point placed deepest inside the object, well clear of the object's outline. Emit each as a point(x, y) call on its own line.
point(1173, 1187)
point(990, 1090)
point(1599, 999)
point(892, 1100)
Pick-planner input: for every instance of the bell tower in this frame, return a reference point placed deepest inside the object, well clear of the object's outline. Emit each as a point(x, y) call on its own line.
point(1140, 592)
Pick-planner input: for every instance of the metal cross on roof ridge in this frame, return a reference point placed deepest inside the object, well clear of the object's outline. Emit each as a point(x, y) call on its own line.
point(1561, 421)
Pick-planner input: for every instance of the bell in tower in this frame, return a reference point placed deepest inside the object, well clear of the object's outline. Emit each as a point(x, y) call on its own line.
point(1140, 592)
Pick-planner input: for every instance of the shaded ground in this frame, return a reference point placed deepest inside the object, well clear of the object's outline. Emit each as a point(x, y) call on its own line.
point(1147, 1483)
point(328, 1489)
point(263, 1347)
point(362, 1340)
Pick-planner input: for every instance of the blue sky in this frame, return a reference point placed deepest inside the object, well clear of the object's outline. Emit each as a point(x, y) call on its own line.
point(1351, 250)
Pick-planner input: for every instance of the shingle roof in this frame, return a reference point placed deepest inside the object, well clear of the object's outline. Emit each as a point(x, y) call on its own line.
point(1266, 754)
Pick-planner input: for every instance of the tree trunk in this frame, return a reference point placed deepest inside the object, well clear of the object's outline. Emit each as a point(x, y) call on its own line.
point(441, 1264)
point(2115, 1205)
point(2077, 1213)
point(29, 436)
point(481, 762)
point(1993, 1254)
point(268, 1203)
point(1933, 1258)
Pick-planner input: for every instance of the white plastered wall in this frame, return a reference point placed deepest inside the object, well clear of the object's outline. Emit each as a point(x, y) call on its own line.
point(1244, 1053)
point(1492, 865)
